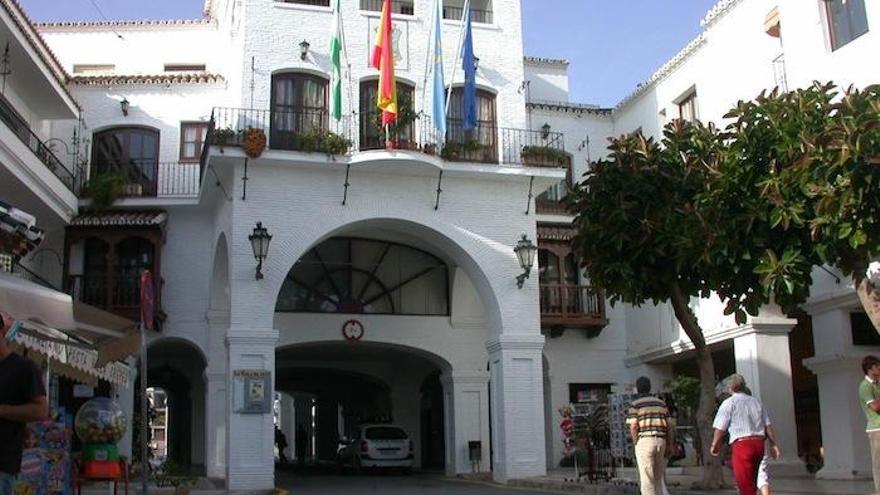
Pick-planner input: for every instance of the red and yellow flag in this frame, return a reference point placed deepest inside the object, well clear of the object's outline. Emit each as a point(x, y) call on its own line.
point(383, 59)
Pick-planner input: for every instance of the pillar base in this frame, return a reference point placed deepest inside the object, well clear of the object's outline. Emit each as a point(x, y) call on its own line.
point(843, 474)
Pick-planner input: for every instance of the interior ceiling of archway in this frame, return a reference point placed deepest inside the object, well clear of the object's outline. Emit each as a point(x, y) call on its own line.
point(360, 352)
point(172, 352)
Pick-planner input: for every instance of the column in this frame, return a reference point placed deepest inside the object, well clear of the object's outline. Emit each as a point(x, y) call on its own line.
point(516, 383)
point(251, 437)
point(838, 368)
point(125, 399)
point(764, 360)
point(466, 417)
point(215, 423)
point(288, 424)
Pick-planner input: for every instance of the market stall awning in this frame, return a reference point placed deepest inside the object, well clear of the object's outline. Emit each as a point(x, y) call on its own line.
point(71, 334)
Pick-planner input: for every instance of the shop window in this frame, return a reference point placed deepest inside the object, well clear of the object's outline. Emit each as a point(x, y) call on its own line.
point(847, 20)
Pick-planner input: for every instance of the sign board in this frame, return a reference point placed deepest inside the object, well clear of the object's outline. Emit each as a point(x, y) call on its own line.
point(353, 330)
point(253, 391)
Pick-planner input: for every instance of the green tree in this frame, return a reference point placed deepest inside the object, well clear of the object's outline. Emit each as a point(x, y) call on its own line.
point(808, 165)
point(642, 238)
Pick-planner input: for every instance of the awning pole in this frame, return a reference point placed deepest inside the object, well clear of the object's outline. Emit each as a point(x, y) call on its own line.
point(144, 411)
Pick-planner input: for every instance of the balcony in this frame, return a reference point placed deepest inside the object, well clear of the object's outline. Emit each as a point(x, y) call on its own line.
point(477, 15)
point(117, 294)
point(315, 131)
point(572, 306)
point(164, 180)
point(22, 130)
point(403, 7)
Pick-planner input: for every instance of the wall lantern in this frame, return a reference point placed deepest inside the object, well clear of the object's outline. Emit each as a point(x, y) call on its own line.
point(124, 105)
point(476, 63)
point(260, 244)
point(304, 49)
point(545, 130)
point(525, 252)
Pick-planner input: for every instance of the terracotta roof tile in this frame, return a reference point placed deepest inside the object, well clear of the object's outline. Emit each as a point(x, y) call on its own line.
point(126, 218)
point(182, 78)
point(135, 23)
point(559, 233)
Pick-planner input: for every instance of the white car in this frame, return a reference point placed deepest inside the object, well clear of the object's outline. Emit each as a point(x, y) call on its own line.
point(377, 446)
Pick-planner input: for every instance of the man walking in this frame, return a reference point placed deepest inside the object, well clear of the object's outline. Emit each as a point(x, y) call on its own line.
point(22, 399)
point(869, 398)
point(743, 417)
point(650, 427)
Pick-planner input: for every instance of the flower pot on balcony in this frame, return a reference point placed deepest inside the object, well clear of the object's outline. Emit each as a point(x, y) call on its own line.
point(430, 149)
point(254, 142)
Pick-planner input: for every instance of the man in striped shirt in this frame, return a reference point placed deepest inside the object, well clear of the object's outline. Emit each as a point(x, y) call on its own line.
point(744, 418)
point(651, 428)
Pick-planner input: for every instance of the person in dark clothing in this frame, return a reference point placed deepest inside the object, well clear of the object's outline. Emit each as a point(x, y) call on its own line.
point(22, 400)
point(281, 443)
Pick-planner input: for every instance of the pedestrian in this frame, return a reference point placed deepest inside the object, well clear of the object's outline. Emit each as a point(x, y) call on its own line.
point(763, 480)
point(22, 400)
point(745, 420)
point(650, 427)
point(281, 443)
point(869, 398)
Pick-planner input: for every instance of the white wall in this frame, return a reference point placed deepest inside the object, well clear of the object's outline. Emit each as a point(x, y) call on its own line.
point(548, 81)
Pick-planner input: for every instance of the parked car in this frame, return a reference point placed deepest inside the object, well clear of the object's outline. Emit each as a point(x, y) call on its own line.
point(376, 446)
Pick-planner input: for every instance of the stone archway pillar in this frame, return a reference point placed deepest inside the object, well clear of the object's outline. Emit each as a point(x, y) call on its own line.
point(517, 383)
point(466, 414)
point(215, 424)
point(251, 437)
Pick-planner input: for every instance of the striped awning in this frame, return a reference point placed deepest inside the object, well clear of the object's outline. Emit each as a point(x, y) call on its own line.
point(19, 234)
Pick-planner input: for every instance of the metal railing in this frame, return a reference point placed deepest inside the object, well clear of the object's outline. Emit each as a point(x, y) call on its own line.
point(457, 13)
point(534, 148)
point(156, 179)
point(316, 131)
point(779, 74)
point(15, 268)
point(105, 291)
point(404, 7)
point(178, 180)
point(318, 3)
point(571, 302)
point(22, 130)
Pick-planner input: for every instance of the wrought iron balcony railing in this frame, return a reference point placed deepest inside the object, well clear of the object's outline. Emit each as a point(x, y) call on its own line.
point(22, 130)
point(316, 131)
point(457, 13)
point(150, 179)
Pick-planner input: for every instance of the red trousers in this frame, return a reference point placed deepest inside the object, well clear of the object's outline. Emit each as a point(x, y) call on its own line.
point(746, 456)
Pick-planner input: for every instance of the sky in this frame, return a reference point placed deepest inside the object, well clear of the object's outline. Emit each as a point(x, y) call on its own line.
point(612, 45)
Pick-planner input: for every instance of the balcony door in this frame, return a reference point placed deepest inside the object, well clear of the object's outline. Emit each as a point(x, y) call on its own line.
point(299, 105)
point(130, 151)
point(372, 136)
point(478, 144)
point(558, 278)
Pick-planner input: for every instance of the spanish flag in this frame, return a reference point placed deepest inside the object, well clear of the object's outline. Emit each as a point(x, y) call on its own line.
point(383, 59)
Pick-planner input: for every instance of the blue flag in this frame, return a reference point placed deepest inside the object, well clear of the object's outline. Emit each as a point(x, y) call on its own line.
point(470, 73)
point(439, 84)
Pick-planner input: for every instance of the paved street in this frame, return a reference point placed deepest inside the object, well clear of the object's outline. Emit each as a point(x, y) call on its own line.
point(387, 485)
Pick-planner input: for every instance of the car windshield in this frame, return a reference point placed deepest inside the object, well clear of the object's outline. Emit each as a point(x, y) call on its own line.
point(385, 433)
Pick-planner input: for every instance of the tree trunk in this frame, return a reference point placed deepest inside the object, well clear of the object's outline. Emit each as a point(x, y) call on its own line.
point(712, 475)
point(869, 295)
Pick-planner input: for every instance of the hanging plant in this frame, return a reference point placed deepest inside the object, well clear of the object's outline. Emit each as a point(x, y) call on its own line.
point(254, 142)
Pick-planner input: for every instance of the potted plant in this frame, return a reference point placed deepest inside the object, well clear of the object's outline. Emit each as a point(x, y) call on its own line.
point(254, 142)
point(322, 140)
point(104, 189)
point(543, 156)
point(223, 137)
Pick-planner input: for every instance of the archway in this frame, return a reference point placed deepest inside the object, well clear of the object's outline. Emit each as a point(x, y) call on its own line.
point(176, 368)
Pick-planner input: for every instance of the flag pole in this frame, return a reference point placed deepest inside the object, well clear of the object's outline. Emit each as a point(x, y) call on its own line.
point(430, 50)
point(145, 464)
point(466, 12)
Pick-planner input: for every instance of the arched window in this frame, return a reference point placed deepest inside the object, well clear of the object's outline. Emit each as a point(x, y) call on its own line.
point(365, 276)
point(372, 136)
point(131, 151)
point(478, 144)
point(299, 104)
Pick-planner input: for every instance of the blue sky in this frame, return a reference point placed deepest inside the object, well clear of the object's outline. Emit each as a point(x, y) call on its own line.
point(612, 44)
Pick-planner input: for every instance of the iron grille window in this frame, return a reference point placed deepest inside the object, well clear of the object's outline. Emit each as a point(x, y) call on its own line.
point(318, 3)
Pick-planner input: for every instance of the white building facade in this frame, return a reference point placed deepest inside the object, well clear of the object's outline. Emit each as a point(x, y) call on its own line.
point(389, 292)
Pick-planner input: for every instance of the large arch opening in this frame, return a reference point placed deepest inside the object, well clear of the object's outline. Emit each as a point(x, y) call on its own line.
point(330, 390)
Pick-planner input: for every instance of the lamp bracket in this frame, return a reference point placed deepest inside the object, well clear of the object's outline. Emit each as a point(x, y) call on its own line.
point(345, 191)
point(531, 190)
point(439, 190)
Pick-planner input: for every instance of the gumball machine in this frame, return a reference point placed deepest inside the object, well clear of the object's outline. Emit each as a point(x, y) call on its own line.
point(100, 424)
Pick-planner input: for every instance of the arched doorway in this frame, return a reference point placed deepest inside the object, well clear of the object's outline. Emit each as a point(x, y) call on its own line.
point(175, 373)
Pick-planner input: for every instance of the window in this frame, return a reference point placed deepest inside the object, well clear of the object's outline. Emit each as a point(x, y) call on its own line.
point(319, 3)
point(479, 144)
point(132, 151)
point(687, 107)
point(481, 10)
point(92, 69)
point(847, 20)
point(372, 136)
point(192, 137)
point(404, 7)
point(185, 67)
point(299, 104)
point(550, 201)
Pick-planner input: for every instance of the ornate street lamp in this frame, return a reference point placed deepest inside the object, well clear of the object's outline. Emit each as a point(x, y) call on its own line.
point(304, 49)
point(476, 63)
point(260, 244)
point(545, 130)
point(525, 252)
point(124, 105)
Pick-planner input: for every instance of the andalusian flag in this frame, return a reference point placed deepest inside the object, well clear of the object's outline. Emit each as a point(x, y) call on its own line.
point(383, 59)
point(336, 59)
